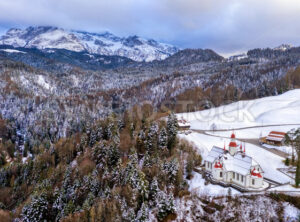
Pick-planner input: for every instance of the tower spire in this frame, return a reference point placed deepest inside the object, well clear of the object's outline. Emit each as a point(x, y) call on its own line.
point(233, 147)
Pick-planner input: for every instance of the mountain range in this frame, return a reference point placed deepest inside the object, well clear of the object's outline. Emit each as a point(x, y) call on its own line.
point(48, 37)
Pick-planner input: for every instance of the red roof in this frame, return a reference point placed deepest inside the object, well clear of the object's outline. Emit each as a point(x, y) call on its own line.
point(276, 136)
point(255, 173)
point(232, 144)
point(278, 133)
point(232, 136)
point(218, 165)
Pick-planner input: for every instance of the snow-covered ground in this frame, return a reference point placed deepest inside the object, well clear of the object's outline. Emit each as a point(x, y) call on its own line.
point(274, 110)
point(291, 213)
point(285, 149)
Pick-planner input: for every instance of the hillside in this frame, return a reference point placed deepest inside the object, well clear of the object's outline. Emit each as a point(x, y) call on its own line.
point(274, 110)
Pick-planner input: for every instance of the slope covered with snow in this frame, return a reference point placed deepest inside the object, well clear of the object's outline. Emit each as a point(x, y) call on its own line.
point(132, 47)
point(275, 110)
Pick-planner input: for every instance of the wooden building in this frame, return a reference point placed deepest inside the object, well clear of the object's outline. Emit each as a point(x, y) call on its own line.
point(274, 138)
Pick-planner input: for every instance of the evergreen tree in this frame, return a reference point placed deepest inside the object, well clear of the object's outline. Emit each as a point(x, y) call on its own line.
point(117, 173)
point(172, 129)
point(163, 138)
point(151, 139)
point(59, 203)
point(113, 155)
point(93, 138)
point(153, 190)
point(147, 160)
point(287, 161)
point(69, 208)
point(88, 201)
point(36, 210)
point(143, 214)
point(99, 132)
point(128, 213)
point(135, 177)
point(67, 184)
point(95, 183)
point(165, 205)
point(171, 169)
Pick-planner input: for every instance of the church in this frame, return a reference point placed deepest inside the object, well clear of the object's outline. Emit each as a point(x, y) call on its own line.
point(233, 166)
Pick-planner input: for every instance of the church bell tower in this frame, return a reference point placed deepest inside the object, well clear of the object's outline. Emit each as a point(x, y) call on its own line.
point(233, 148)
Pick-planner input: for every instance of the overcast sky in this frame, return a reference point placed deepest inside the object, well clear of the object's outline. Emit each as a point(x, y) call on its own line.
point(227, 26)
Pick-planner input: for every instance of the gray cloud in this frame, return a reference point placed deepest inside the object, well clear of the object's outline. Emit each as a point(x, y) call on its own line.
point(224, 25)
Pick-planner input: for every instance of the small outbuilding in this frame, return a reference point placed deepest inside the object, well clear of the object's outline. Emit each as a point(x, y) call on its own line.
point(274, 138)
point(183, 124)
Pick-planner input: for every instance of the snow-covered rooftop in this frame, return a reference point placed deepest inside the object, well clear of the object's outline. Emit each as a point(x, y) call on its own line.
point(239, 163)
point(214, 153)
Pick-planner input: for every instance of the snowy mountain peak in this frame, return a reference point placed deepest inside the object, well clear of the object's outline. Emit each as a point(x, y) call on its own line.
point(106, 43)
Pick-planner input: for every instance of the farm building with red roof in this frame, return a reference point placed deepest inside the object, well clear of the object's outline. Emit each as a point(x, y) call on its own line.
point(275, 138)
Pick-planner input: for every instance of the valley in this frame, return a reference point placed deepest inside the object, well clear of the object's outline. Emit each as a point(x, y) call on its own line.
point(89, 128)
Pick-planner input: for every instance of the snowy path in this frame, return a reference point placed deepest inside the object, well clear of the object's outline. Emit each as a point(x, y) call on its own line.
point(251, 141)
point(249, 127)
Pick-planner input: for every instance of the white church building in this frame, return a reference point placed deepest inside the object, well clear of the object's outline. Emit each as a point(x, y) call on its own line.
point(233, 166)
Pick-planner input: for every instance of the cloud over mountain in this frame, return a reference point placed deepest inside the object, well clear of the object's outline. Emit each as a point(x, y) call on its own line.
point(225, 26)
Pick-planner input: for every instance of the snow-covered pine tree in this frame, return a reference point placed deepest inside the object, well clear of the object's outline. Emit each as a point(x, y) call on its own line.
point(99, 132)
point(147, 160)
point(95, 183)
point(143, 213)
point(172, 129)
point(117, 173)
point(171, 169)
point(67, 184)
point(93, 138)
point(153, 190)
point(165, 205)
point(113, 155)
point(37, 209)
point(151, 139)
point(163, 138)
